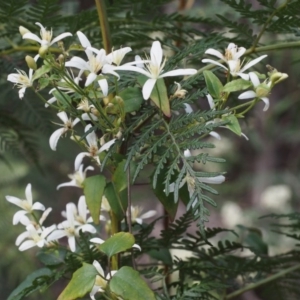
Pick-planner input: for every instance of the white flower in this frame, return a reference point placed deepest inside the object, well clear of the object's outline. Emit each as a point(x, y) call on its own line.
point(22, 80)
point(94, 65)
point(93, 148)
point(26, 221)
point(136, 216)
point(70, 228)
point(35, 237)
point(68, 125)
point(232, 59)
point(101, 280)
point(100, 241)
point(261, 90)
point(116, 56)
point(154, 69)
point(26, 205)
point(77, 178)
point(46, 36)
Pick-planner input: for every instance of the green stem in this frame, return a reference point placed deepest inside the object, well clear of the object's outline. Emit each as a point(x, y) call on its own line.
point(27, 49)
point(262, 282)
point(282, 6)
point(102, 14)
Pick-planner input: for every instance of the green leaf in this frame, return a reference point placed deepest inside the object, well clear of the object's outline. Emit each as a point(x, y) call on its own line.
point(119, 242)
point(30, 284)
point(237, 85)
point(119, 177)
point(51, 256)
point(62, 98)
point(213, 84)
point(41, 71)
point(162, 254)
point(234, 124)
point(117, 202)
point(159, 95)
point(128, 284)
point(133, 99)
point(93, 188)
point(43, 82)
point(167, 201)
point(81, 283)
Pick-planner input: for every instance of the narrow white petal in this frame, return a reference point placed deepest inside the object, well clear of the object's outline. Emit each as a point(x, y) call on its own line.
point(32, 36)
point(149, 214)
point(137, 247)
point(215, 135)
point(88, 117)
point(156, 53)
point(104, 86)
point(56, 235)
point(85, 43)
point(134, 69)
point(71, 183)
point(247, 95)
point(187, 153)
point(243, 75)
point(148, 87)
point(75, 121)
point(22, 92)
point(63, 116)
point(87, 228)
point(188, 109)
point(206, 60)
point(91, 78)
point(45, 215)
point(18, 216)
point(179, 72)
point(60, 37)
point(212, 180)
point(215, 53)
point(82, 209)
point(210, 101)
point(253, 62)
point(72, 243)
point(21, 237)
point(79, 158)
point(98, 267)
point(55, 137)
point(77, 62)
point(50, 101)
point(27, 245)
point(108, 69)
point(267, 103)
point(106, 146)
point(14, 200)
point(254, 79)
point(97, 241)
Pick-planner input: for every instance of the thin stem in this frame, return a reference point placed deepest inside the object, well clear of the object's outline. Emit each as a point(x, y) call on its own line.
point(27, 49)
point(102, 14)
point(262, 282)
point(114, 229)
point(282, 6)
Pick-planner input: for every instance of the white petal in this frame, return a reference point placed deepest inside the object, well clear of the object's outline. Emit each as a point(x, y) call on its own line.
point(206, 60)
point(27, 245)
point(45, 215)
point(60, 37)
point(97, 241)
point(179, 72)
point(148, 87)
point(22, 92)
point(247, 95)
point(104, 86)
point(106, 146)
point(134, 69)
point(254, 79)
point(56, 235)
point(82, 209)
point(137, 247)
point(72, 243)
point(55, 137)
point(215, 135)
point(91, 78)
point(89, 117)
point(149, 214)
point(63, 116)
point(139, 61)
point(50, 101)
point(75, 121)
point(215, 53)
point(18, 216)
point(243, 75)
point(253, 62)
point(38, 206)
point(210, 101)
point(156, 53)
point(21, 237)
point(14, 200)
point(187, 153)
point(79, 158)
point(32, 36)
point(87, 228)
point(188, 109)
point(267, 103)
point(77, 62)
point(71, 183)
point(212, 180)
point(98, 267)
point(85, 43)
point(108, 69)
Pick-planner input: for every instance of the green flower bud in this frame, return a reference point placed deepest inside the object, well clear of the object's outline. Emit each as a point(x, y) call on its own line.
point(43, 51)
point(277, 77)
point(30, 62)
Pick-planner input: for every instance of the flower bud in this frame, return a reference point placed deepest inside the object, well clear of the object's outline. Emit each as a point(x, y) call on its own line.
point(43, 51)
point(23, 30)
point(30, 62)
point(179, 93)
point(277, 77)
